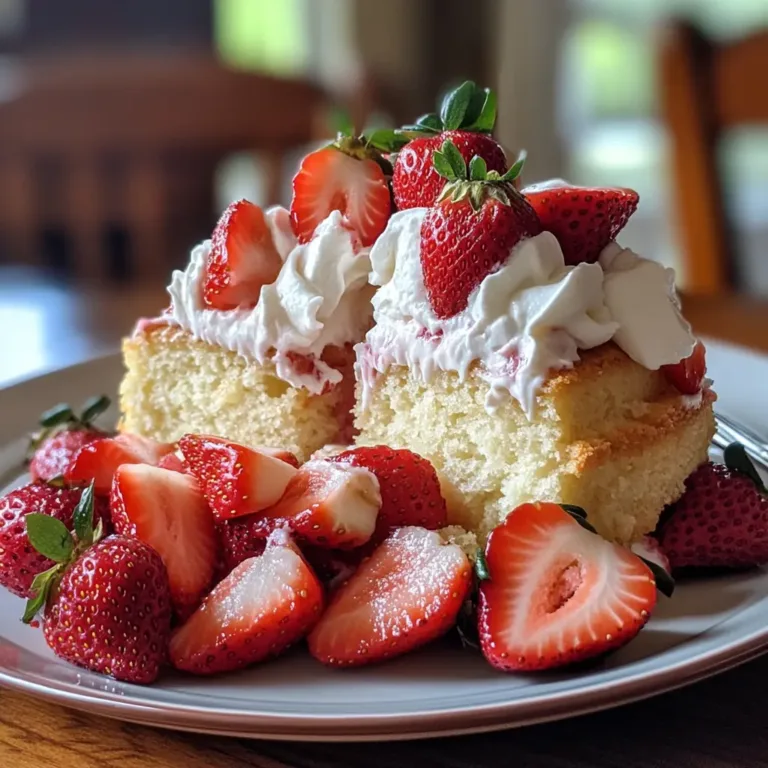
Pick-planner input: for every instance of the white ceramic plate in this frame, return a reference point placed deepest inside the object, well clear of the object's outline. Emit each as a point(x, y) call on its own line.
point(707, 627)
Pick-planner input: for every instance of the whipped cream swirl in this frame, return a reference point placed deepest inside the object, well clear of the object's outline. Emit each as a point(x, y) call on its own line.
point(320, 298)
point(526, 319)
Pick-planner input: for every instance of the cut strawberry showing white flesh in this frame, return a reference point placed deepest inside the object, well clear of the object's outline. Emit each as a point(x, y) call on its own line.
point(330, 504)
point(266, 604)
point(558, 593)
point(236, 480)
point(167, 511)
point(99, 460)
point(406, 594)
point(242, 260)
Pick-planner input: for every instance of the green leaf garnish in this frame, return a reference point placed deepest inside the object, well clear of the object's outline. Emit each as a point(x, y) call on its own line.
point(94, 407)
point(455, 105)
point(516, 168)
point(474, 108)
point(41, 588)
point(481, 566)
point(385, 139)
point(82, 519)
point(737, 460)
point(443, 166)
point(455, 158)
point(478, 169)
point(430, 121)
point(59, 414)
point(486, 118)
point(50, 537)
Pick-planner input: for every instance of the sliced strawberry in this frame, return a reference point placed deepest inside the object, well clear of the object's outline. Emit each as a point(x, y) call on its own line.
point(328, 180)
point(242, 260)
point(583, 219)
point(280, 453)
point(266, 604)
point(54, 455)
point(406, 594)
point(99, 460)
point(174, 462)
point(688, 374)
point(410, 489)
point(558, 593)
point(331, 504)
point(236, 480)
point(167, 511)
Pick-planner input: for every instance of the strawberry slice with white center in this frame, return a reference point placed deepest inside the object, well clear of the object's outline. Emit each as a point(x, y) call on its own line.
point(243, 258)
point(688, 375)
point(406, 594)
point(99, 460)
point(558, 593)
point(330, 179)
point(330, 504)
point(266, 604)
point(235, 479)
point(280, 453)
point(168, 511)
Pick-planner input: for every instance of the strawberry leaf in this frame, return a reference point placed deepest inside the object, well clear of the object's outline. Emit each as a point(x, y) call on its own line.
point(82, 518)
point(58, 415)
point(572, 509)
point(94, 407)
point(455, 105)
point(50, 537)
point(516, 168)
point(664, 581)
point(41, 588)
point(455, 158)
point(481, 566)
point(443, 166)
point(474, 108)
point(341, 122)
point(478, 169)
point(486, 117)
point(737, 460)
point(385, 140)
point(431, 122)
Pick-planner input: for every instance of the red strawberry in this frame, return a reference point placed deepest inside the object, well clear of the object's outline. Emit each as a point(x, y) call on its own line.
point(720, 521)
point(416, 183)
point(471, 230)
point(330, 504)
point(405, 595)
point(112, 611)
point(242, 260)
point(342, 177)
point(557, 593)
point(174, 462)
point(240, 539)
point(410, 489)
point(236, 480)
point(688, 374)
point(583, 219)
point(19, 561)
point(99, 460)
point(280, 453)
point(167, 511)
point(62, 434)
point(265, 605)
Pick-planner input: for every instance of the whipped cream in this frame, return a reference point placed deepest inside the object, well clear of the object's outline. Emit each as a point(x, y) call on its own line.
point(320, 298)
point(529, 317)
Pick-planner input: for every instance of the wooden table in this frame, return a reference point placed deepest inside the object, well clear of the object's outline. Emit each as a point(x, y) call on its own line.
point(719, 723)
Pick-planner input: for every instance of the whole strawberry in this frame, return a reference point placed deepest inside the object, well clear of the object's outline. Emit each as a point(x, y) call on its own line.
point(20, 562)
point(107, 603)
point(583, 219)
point(721, 521)
point(471, 230)
point(466, 118)
point(410, 489)
point(62, 434)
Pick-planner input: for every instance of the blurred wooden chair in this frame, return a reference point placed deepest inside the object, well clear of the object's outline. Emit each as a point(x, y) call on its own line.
point(98, 141)
point(705, 90)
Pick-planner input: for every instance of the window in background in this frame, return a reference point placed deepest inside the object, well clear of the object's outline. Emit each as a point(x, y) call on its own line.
point(608, 102)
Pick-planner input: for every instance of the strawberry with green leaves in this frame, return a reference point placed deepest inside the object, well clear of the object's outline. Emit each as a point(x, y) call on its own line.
point(466, 119)
point(61, 435)
point(106, 602)
point(471, 230)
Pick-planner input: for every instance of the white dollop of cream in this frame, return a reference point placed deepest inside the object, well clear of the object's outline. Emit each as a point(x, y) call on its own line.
point(320, 298)
point(524, 320)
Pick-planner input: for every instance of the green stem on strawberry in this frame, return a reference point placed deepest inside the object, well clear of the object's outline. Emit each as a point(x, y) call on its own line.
point(62, 418)
point(51, 538)
point(737, 460)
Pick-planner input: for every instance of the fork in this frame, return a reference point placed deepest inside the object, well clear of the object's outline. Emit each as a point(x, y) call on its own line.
point(728, 431)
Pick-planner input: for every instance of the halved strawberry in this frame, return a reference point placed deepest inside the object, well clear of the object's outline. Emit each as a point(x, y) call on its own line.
point(331, 504)
point(242, 260)
point(99, 460)
point(168, 511)
point(266, 604)
point(688, 374)
point(332, 179)
point(406, 594)
point(280, 453)
point(557, 593)
point(583, 219)
point(236, 480)
point(410, 489)
point(173, 461)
